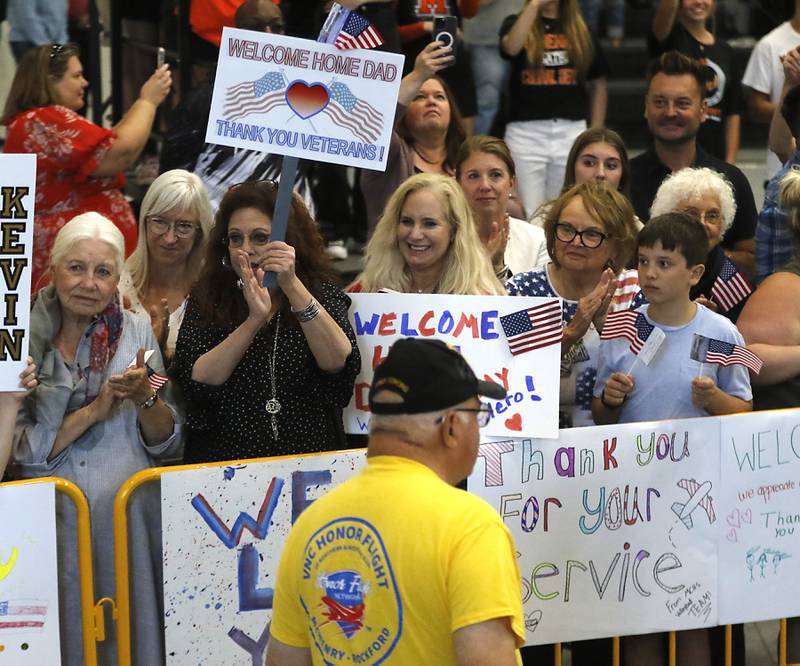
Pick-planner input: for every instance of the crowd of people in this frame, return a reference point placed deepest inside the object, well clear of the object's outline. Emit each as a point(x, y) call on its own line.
point(156, 341)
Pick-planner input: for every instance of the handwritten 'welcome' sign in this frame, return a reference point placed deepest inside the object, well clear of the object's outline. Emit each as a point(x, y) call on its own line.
point(472, 324)
point(297, 97)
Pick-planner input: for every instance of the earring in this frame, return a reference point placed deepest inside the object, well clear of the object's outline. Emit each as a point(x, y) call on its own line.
point(226, 262)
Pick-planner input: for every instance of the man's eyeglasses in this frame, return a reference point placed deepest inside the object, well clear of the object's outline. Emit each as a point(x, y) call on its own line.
point(482, 414)
point(159, 226)
point(590, 238)
point(236, 239)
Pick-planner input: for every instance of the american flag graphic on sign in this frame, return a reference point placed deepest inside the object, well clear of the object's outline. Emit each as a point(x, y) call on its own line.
point(22, 615)
point(259, 96)
point(731, 287)
point(539, 326)
point(346, 110)
point(709, 350)
point(633, 326)
point(357, 33)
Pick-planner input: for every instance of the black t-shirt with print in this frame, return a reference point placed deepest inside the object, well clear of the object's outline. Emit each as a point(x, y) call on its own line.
point(723, 83)
point(554, 89)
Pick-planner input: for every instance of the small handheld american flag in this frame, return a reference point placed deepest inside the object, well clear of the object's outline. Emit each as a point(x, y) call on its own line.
point(645, 339)
point(535, 327)
point(357, 33)
point(710, 350)
point(155, 379)
point(731, 287)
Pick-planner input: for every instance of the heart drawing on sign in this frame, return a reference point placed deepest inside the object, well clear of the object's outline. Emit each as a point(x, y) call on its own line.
point(731, 535)
point(747, 516)
point(532, 620)
point(307, 99)
point(734, 518)
point(514, 423)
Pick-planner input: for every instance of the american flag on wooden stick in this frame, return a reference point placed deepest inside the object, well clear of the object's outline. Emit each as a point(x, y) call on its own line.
point(731, 287)
point(628, 324)
point(710, 350)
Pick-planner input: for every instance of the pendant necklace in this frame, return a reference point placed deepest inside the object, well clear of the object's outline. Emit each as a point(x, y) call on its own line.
point(273, 406)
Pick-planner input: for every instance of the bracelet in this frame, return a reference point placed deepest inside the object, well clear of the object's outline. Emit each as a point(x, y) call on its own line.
point(307, 313)
point(147, 404)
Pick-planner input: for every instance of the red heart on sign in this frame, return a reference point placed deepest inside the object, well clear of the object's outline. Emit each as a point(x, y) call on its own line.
point(514, 423)
point(305, 99)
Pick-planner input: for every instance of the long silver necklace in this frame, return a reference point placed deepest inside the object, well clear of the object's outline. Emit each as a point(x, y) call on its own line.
point(273, 406)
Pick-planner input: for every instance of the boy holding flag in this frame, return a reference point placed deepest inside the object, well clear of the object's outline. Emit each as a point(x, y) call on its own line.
point(669, 382)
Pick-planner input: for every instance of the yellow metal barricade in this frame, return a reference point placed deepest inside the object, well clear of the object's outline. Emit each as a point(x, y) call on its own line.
point(91, 615)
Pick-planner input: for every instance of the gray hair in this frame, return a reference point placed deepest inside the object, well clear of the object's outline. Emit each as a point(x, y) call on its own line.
point(88, 226)
point(692, 183)
point(417, 428)
point(174, 190)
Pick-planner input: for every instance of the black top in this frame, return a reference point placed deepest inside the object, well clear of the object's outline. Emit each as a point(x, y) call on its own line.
point(552, 89)
point(723, 82)
point(647, 173)
point(230, 421)
point(713, 266)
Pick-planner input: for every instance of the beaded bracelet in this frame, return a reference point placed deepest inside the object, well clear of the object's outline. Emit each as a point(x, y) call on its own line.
point(307, 313)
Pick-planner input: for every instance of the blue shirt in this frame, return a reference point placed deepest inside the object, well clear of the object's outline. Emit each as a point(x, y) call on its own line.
point(774, 241)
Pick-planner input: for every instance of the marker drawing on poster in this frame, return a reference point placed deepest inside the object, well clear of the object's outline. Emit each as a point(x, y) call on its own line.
point(29, 630)
point(224, 530)
point(760, 531)
point(615, 525)
point(298, 97)
point(473, 325)
point(17, 195)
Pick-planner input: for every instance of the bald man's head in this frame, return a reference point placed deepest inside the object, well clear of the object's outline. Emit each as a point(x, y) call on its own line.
point(259, 15)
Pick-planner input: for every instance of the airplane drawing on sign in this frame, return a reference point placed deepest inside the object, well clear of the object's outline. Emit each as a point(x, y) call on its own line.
point(698, 496)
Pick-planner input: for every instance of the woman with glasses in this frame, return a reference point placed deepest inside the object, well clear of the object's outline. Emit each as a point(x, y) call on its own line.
point(707, 197)
point(590, 233)
point(264, 372)
point(175, 221)
point(80, 165)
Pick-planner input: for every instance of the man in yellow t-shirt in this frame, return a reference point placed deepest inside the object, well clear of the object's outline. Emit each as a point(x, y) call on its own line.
point(397, 566)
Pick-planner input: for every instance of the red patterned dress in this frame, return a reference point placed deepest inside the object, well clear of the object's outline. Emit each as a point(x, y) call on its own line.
point(68, 148)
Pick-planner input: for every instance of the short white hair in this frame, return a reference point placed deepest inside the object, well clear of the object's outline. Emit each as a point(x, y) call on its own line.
point(414, 427)
point(173, 191)
point(88, 226)
point(692, 183)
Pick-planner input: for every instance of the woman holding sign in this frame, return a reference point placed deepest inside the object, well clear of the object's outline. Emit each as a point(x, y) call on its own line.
point(264, 372)
point(427, 243)
point(591, 233)
point(96, 419)
point(80, 164)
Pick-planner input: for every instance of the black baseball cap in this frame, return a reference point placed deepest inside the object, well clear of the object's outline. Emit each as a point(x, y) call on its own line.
point(428, 375)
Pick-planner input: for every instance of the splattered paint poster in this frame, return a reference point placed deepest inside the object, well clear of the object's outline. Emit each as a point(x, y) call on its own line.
point(760, 532)
point(29, 632)
point(616, 526)
point(224, 529)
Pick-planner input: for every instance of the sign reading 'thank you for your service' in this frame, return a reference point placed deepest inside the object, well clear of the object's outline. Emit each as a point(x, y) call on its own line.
point(17, 193)
point(297, 97)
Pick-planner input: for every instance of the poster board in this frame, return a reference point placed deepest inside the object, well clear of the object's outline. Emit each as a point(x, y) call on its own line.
point(224, 529)
point(472, 324)
point(17, 196)
point(759, 540)
point(292, 96)
point(615, 525)
point(29, 627)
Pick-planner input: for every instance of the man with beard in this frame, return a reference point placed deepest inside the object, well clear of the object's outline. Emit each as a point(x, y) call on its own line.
point(674, 108)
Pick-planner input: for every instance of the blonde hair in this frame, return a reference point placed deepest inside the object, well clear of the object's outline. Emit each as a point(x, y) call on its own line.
point(88, 226)
point(790, 200)
point(692, 183)
point(173, 191)
point(581, 50)
point(467, 268)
